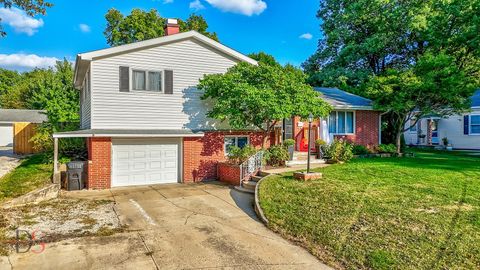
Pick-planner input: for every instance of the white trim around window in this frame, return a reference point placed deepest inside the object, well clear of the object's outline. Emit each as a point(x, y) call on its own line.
point(345, 122)
point(470, 125)
point(146, 75)
point(236, 141)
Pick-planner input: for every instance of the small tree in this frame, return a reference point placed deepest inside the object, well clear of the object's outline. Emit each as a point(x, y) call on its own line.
point(141, 25)
point(260, 96)
point(434, 86)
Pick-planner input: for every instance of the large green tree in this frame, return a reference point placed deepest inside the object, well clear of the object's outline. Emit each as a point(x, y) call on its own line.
point(31, 7)
point(408, 55)
point(261, 95)
point(141, 25)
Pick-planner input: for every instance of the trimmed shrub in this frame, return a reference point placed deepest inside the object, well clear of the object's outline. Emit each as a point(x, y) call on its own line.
point(276, 155)
point(339, 150)
point(237, 155)
point(387, 148)
point(360, 150)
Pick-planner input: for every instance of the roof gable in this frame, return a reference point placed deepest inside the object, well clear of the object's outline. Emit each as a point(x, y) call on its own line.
point(83, 59)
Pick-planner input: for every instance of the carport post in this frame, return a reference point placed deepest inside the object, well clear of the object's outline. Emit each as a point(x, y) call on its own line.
point(56, 178)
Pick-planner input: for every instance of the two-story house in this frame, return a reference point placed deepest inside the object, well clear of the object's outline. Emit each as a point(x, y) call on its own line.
point(143, 118)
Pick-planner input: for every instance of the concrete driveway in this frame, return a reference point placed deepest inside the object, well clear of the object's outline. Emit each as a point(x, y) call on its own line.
point(8, 160)
point(178, 226)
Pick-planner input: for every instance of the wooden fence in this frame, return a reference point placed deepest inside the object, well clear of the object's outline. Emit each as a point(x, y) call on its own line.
point(22, 133)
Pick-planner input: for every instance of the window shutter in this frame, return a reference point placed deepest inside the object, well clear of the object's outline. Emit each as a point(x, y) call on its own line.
point(168, 81)
point(124, 79)
point(466, 126)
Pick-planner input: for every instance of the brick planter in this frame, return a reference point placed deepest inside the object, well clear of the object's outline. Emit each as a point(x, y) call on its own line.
point(304, 176)
point(228, 173)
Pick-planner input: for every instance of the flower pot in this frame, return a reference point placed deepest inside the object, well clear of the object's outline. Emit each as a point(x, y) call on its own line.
point(291, 149)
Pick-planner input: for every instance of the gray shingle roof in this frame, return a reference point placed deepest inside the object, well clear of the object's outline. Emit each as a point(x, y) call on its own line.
point(20, 115)
point(476, 99)
point(340, 99)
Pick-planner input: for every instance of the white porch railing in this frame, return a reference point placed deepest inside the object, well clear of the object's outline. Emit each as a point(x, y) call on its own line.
point(251, 166)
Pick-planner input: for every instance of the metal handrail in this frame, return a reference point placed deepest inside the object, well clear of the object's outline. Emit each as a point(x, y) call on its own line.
point(251, 166)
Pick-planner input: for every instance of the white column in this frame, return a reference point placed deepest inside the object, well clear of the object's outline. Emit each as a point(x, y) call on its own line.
point(56, 175)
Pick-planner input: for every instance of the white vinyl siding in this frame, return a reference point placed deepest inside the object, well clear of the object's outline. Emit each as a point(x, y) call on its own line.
point(85, 103)
point(450, 127)
point(183, 109)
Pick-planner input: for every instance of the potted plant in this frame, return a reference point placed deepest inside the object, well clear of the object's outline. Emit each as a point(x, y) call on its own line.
point(319, 145)
point(446, 143)
point(290, 145)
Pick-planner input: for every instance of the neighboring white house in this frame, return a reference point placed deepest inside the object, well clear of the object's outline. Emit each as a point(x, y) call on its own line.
point(462, 131)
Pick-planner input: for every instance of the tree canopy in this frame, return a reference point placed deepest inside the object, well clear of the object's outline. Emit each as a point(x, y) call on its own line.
point(31, 7)
point(261, 95)
point(421, 55)
point(141, 25)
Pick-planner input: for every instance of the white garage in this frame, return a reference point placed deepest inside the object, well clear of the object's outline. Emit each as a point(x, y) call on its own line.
point(6, 134)
point(145, 161)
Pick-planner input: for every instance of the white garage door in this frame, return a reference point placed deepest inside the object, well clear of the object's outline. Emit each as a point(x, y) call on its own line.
point(6, 135)
point(144, 162)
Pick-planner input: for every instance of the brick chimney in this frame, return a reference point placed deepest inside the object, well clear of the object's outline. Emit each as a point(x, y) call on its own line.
point(172, 27)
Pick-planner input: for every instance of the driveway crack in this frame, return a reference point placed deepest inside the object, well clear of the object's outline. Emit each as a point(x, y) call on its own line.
point(149, 251)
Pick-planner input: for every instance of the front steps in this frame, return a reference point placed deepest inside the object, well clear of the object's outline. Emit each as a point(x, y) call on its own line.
point(248, 186)
point(301, 158)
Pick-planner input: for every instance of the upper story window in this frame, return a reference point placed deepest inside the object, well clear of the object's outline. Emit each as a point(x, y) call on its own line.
point(147, 80)
point(341, 122)
point(475, 124)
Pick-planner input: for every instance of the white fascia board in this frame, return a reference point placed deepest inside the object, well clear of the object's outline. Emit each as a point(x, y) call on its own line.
point(126, 135)
point(89, 56)
point(357, 108)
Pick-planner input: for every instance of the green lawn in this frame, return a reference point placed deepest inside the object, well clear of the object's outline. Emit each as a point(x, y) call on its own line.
point(29, 175)
point(384, 213)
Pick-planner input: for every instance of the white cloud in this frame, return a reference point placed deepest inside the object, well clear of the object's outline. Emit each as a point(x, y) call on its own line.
point(85, 28)
point(167, 1)
point(20, 21)
point(306, 36)
point(196, 5)
point(22, 61)
point(245, 7)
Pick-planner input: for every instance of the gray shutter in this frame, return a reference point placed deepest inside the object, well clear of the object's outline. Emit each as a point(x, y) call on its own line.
point(466, 126)
point(168, 81)
point(124, 79)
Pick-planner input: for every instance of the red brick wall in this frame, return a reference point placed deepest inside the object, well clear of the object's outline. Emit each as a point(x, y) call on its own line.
point(229, 173)
point(99, 163)
point(202, 154)
point(366, 129)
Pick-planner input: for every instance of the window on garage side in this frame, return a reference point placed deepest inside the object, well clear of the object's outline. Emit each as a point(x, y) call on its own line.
point(239, 141)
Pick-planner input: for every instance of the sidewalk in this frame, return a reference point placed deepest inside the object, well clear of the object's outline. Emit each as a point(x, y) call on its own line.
point(295, 168)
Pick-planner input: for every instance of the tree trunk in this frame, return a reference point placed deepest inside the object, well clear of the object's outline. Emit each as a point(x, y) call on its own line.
point(398, 139)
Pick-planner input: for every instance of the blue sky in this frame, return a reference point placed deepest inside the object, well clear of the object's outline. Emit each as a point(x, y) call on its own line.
point(285, 29)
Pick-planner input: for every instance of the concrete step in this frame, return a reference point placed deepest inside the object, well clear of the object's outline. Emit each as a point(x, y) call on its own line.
point(304, 162)
point(262, 173)
point(249, 185)
point(244, 190)
point(256, 178)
